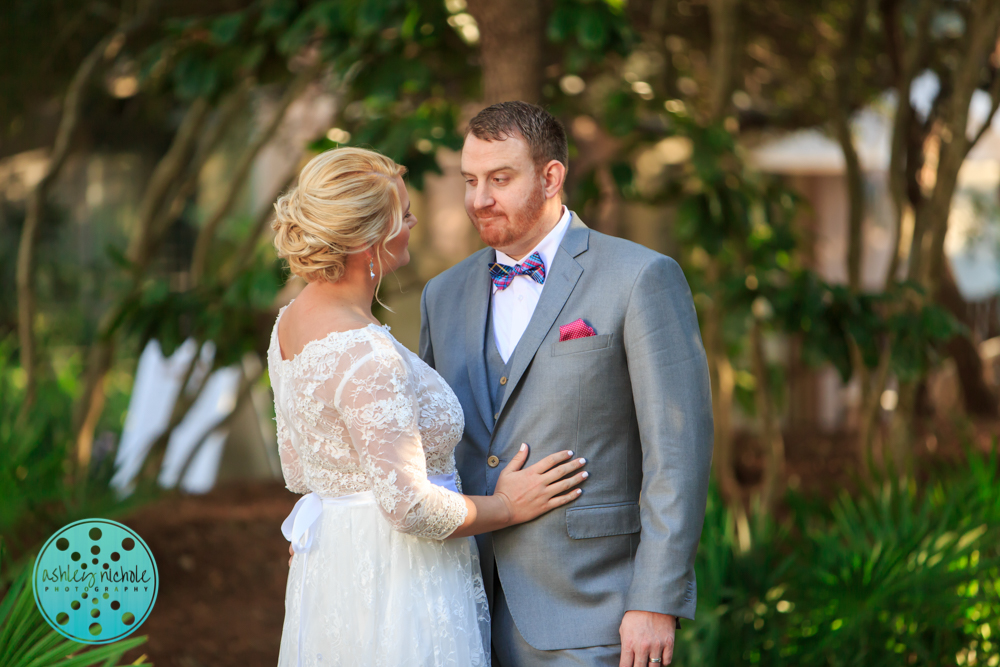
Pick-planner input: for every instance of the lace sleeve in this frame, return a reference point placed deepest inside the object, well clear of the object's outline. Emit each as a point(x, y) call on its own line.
point(291, 467)
point(377, 402)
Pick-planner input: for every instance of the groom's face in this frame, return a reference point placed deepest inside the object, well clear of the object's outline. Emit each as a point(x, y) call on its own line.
point(504, 193)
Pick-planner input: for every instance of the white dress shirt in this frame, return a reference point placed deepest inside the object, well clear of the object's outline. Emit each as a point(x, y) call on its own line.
point(514, 306)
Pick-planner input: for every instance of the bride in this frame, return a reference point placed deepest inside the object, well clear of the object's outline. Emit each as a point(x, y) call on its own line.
point(384, 570)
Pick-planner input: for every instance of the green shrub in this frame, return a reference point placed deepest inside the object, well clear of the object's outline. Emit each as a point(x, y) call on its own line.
point(38, 490)
point(26, 640)
point(893, 577)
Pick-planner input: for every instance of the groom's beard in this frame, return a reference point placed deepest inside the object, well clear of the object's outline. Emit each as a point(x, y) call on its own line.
point(500, 229)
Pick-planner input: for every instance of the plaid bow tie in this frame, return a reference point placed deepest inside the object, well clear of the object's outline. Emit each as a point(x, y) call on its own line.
point(504, 275)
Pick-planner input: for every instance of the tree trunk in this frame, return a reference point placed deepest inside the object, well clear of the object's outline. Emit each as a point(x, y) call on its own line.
point(771, 439)
point(981, 41)
point(92, 403)
point(186, 397)
point(903, 431)
point(71, 109)
point(841, 114)
point(212, 137)
point(141, 245)
point(902, 160)
point(926, 257)
point(168, 170)
point(510, 36)
point(978, 398)
point(721, 374)
point(872, 386)
point(720, 369)
point(245, 255)
point(723, 13)
point(237, 182)
point(609, 208)
point(242, 394)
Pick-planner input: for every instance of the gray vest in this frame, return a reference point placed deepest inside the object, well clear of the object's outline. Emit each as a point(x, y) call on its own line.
point(497, 371)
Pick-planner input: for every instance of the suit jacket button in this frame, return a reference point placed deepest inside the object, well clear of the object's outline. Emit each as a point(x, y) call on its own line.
point(493, 462)
point(503, 380)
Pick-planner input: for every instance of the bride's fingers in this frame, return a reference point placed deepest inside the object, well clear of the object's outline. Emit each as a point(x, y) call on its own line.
point(561, 471)
point(551, 461)
point(559, 501)
point(517, 462)
point(568, 483)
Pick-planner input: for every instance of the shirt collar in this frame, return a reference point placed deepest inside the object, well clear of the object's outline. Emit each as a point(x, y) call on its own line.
point(547, 247)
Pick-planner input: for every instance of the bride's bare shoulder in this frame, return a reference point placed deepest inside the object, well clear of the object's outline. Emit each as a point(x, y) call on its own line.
point(301, 324)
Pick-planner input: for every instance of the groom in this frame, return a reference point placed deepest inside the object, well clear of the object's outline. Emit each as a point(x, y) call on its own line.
point(565, 338)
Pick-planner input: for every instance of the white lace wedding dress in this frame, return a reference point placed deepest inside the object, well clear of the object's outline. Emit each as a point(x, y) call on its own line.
point(368, 430)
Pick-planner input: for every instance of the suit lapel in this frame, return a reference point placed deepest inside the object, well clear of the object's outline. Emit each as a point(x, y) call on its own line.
point(477, 299)
point(559, 284)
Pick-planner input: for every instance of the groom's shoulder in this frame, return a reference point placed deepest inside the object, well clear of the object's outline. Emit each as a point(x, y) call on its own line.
point(622, 253)
point(453, 280)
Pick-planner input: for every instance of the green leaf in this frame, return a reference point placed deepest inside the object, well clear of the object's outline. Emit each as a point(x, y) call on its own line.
point(252, 57)
point(408, 30)
point(195, 76)
point(591, 30)
point(226, 29)
point(561, 23)
point(276, 14)
point(624, 178)
point(372, 17)
point(26, 640)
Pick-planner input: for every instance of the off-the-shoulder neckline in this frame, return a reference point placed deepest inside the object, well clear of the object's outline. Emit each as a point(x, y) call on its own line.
point(371, 325)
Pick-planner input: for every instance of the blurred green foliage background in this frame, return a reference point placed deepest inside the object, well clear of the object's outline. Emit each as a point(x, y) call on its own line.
point(137, 185)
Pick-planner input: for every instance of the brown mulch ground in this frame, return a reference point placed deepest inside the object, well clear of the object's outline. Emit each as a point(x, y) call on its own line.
point(223, 562)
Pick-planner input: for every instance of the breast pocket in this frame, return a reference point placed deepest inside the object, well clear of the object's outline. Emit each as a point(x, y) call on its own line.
point(581, 345)
point(602, 520)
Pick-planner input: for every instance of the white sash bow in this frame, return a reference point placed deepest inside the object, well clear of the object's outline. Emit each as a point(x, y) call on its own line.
point(298, 528)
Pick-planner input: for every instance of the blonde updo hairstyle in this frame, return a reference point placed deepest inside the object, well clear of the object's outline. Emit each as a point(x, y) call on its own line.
point(347, 200)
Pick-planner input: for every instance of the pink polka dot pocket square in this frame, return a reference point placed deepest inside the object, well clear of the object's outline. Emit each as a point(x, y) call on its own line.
point(577, 329)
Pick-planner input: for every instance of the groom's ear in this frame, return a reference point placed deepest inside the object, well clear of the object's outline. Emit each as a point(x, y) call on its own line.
point(554, 176)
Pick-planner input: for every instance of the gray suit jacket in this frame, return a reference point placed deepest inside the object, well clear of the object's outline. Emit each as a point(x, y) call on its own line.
point(634, 400)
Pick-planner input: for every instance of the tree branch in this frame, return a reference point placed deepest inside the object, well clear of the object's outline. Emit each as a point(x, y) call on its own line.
point(141, 245)
point(909, 61)
point(165, 175)
point(771, 440)
point(227, 113)
point(723, 14)
point(211, 226)
point(242, 393)
point(995, 97)
point(955, 145)
point(245, 254)
point(70, 119)
point(851, 43)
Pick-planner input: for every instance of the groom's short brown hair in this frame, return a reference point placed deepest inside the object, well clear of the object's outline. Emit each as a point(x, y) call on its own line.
point(544, 135)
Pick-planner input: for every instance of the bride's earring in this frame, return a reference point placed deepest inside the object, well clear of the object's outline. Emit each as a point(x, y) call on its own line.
point(371, 268)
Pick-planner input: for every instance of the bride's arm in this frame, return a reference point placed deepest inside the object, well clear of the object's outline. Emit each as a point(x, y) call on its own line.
point(522, 495)
point(376, 401)
point(291, 467)
point(374, 397)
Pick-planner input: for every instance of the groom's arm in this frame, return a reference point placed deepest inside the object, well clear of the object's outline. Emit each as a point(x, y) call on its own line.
point(426, 350)
point(673, 401)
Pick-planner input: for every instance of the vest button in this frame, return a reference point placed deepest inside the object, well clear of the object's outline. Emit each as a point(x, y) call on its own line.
point(503, 380)
point(493, 462)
